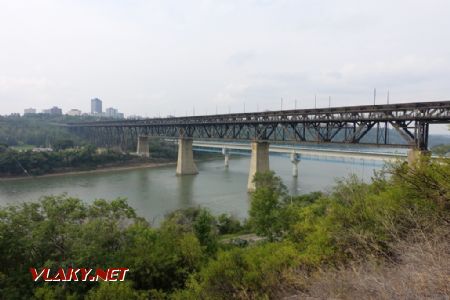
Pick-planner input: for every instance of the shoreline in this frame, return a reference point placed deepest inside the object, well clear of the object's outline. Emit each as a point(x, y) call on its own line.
point(93, 171)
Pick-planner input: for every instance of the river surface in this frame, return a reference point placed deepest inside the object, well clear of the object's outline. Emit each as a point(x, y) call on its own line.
point(155, 192)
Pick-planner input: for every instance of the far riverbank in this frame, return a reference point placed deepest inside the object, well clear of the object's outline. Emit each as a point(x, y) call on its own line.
point(99, 169)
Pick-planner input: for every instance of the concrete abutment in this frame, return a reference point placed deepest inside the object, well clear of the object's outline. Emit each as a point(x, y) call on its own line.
point(143, 146)
point(185, 163)
point(259, 162)
point(414, 155)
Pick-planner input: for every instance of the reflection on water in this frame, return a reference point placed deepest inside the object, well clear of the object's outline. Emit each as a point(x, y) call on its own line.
point(185, 186)
point(155, 192)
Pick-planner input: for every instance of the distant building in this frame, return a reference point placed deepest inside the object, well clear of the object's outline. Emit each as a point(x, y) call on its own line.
point(113, 113)
point(56, 111)
point(74, 112)
point(29, 111)
point(96, 106)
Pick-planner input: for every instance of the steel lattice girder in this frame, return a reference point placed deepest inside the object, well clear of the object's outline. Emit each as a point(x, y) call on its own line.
point(325, 125)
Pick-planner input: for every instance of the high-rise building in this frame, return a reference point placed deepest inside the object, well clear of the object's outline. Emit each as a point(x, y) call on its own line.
point(29, 111)
point(96, 106)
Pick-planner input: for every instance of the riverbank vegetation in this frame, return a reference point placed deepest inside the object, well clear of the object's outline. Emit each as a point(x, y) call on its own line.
point(385, 239)
point(29, 163)
point(65, 156)
point(25, 163)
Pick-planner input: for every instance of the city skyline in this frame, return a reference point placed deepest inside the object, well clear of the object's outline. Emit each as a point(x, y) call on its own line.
point(96, 110)
point(172, 58)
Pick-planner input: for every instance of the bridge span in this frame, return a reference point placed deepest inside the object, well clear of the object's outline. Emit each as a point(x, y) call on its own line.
point(333, 125)
point(306, 151)
point(297, 153)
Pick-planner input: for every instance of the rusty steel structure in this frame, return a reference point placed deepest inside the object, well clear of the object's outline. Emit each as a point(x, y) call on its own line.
point(344, 125)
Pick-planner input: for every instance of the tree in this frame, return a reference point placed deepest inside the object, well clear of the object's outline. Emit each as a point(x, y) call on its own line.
point(160, 259)
point(115, 290)
point(266, 205)
point(59, 231)
point(228, 224)
point(63, 144)
point(205, 230)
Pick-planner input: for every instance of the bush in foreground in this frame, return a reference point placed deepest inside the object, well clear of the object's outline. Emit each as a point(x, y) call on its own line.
point(316, 245)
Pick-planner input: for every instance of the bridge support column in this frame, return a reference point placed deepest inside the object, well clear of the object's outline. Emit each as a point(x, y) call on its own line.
point(259, 162)
point(143, 146)
point(226, 153)
point(185, 163)
point(414, 155)
point(295, 159)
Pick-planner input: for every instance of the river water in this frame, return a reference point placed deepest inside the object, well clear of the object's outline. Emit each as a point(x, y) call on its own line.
point(155, 192)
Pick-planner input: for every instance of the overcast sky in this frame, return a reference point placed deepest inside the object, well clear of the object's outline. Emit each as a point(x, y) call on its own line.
point(165, 57)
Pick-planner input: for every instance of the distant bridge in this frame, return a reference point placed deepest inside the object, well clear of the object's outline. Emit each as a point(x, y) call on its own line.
point(334, 125)
point(306, 151)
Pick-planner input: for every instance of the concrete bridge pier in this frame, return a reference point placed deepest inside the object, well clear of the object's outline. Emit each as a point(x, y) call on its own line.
point(259, 162)
point(295, 159)
point(185, 163)
point(143, 146)
point(226, 154)
point(414, 154)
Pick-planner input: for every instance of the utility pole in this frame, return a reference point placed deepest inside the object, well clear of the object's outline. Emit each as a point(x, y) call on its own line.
point(374, 95)
point(329, 101)
point(315, 101)
point(388, 97)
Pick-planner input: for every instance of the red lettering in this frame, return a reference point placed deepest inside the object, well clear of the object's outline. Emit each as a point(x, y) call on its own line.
point(100, 273)
point(72, 274)
point(60, 275)
point(85, 273)
point(123, 271)
point(112, 273)
point(35, 274)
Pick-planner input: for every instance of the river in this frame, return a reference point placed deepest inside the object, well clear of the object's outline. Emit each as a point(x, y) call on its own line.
point(155, 191)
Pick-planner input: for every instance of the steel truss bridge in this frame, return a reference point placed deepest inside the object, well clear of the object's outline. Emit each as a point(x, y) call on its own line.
point(340, 125)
